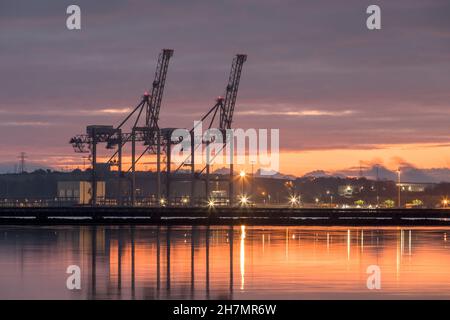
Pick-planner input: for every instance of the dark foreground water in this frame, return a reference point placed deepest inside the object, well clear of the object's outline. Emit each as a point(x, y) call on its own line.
point(223, 263)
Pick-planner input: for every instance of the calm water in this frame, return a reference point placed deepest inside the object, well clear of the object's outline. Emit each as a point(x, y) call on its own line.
point(223, 263)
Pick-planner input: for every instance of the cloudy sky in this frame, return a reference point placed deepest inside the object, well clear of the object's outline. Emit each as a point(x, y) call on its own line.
point(339, 93)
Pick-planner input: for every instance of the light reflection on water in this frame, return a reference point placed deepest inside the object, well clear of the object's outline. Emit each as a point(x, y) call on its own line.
point(150, 262)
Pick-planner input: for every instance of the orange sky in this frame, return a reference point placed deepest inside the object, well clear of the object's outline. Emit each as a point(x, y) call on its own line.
point(300, 162)
point(391, 156)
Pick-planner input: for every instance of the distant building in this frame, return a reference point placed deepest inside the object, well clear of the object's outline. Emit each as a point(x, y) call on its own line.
point(348, 191)
point(220, 197)
point(413, 187)
point(79, 192)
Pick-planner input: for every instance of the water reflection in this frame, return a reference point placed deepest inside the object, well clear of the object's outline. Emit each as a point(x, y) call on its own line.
point(192, 262)
point(242, 257)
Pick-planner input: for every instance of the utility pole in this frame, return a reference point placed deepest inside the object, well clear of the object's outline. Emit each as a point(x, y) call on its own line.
point(252, 186)
point(377, 186)
point(360, 169)
point(22, 158)
point(84, 162)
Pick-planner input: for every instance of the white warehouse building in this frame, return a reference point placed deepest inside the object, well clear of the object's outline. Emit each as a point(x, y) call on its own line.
point(79, 192)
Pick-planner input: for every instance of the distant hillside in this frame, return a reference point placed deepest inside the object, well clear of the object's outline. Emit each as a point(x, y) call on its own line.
point(13, 167)
point(408, 174)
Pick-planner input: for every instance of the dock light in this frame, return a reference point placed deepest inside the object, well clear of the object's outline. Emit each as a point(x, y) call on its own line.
point(244, 200)
point(184, 200)
point(444, 202)
point(294, 200)
point(211, 203)
point(162, 201)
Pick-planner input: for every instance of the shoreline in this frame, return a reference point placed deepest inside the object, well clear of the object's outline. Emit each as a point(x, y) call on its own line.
point(223, 216)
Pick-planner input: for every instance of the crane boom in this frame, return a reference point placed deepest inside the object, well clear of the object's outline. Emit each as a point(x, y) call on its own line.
point(224, 105)
point(152, 114)
point(227, 108)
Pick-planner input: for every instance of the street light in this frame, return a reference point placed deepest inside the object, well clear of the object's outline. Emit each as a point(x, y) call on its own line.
point(331, 197)
point(294, 201)
point(211, 203)
point(444, 203)
point(399, 190)
point(242, 174)
point(244, 200)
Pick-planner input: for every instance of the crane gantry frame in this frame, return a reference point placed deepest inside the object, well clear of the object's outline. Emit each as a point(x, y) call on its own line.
point(225, 107)
point(148, 132)
point(157, 140)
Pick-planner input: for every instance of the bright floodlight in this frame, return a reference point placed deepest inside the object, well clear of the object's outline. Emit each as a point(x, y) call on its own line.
point(211, 203)
point(244, 200)
point(242, 173)
point(293, 200)
point(162, 201)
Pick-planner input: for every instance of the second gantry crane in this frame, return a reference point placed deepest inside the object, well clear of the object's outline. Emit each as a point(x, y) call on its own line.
point(224, 108)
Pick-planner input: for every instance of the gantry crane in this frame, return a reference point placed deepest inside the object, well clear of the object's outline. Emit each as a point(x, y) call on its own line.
point(148, 132)
point(225, 108)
